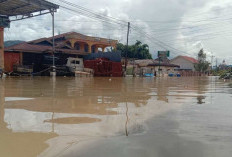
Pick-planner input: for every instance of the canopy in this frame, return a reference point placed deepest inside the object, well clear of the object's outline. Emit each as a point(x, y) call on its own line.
point(25, 8)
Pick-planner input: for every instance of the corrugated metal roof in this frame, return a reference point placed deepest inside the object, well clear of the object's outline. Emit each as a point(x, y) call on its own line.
point(24, 7)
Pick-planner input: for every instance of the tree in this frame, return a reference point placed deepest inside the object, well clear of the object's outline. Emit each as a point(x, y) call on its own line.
point(138, 50)
point(202, 65)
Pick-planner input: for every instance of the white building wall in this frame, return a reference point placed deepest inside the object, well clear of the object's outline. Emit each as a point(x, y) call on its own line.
point(183, 63)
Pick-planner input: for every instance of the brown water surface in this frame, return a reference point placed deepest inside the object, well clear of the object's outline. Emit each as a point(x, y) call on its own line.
point(101, 117)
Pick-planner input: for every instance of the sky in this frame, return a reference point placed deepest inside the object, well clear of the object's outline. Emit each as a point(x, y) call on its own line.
point(181, 26)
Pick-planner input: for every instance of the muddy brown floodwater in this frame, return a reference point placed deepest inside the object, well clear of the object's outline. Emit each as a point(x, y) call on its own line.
point(126, 117)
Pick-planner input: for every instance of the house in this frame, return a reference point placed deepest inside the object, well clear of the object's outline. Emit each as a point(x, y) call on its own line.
point(154, 67)
point(39, 53)
point(185, 63)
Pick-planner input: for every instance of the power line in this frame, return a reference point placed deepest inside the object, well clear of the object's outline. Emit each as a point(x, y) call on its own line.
point(160, 43)
point(90, 11)
point(178, 19)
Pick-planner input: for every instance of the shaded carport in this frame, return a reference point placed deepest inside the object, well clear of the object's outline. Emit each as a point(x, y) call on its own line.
point(14, 10)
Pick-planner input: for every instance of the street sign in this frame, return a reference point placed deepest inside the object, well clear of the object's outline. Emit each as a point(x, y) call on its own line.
point(163, 54)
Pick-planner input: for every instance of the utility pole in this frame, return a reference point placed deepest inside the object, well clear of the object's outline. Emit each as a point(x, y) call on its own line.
point(127, 41)
point(212, 62)
point(216, 64)
point(159, 65)
point(53, 73)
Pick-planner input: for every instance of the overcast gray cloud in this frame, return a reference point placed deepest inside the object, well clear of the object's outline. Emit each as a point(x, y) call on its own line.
point(186, 25)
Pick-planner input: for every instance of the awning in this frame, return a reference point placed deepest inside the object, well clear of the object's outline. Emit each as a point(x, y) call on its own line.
point(25, 8)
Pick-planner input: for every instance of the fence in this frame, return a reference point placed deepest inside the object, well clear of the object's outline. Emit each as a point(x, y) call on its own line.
point(104, 67)
point(192, 73)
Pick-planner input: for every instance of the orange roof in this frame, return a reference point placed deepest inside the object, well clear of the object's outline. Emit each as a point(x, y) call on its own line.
point(193, 60)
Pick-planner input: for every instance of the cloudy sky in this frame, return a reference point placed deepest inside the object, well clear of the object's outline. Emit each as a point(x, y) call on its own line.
point(181, 26)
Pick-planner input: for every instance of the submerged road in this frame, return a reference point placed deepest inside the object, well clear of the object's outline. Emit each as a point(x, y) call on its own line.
point(101, 117)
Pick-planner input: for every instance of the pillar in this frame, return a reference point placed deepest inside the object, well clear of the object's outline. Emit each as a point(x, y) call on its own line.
point(90, 48)
point(2, 109)
point(72, 43)
point(2, 48)
point(96, 49)
point(82, 47)
point(103, 48)
point(21, 58)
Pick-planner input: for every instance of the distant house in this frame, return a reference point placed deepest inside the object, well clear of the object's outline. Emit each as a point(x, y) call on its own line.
point(154, 66)
point(186, 63)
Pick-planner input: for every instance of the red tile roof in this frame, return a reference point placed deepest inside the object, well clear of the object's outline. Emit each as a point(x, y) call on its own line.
point(193, 60)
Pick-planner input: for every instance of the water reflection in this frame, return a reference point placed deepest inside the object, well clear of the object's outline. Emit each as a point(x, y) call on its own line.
point(19, 144)
point(90, 96)
point(73, 120)
point(76, 109)
point(200, 99)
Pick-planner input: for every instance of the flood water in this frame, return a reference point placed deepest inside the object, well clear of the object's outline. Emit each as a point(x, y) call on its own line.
point(112, 117)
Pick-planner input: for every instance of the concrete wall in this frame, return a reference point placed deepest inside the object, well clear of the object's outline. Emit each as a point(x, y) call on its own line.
point(183, 63)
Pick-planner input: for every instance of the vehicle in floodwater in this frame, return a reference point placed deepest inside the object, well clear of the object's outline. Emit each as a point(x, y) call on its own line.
point(75, 64)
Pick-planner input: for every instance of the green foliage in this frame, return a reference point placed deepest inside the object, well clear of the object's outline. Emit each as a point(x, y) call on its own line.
point(138, 50)
point(202, 65)
point(224, 74)
point(219, 72)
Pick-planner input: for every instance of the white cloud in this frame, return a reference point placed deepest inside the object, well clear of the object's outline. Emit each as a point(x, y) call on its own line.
point(170, 21)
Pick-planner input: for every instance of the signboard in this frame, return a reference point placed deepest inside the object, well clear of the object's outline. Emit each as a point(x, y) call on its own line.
point(163, 54)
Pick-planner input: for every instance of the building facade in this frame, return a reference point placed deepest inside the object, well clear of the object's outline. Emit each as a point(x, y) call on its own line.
point(38, 53)
point(185, 63)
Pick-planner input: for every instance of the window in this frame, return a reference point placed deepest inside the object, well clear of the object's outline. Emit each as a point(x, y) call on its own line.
point(77, 46)
point(86, 48)
point(75, 62)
